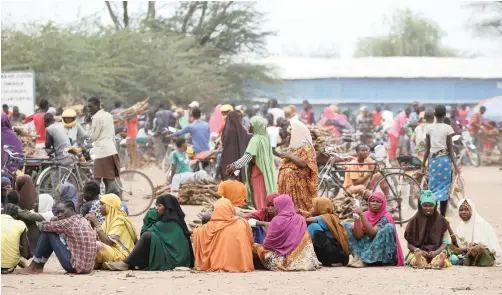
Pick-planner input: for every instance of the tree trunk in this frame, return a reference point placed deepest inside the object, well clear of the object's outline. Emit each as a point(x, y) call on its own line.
point(126, 14)
point(150, 15)
point(112, 15)
point(186, 19)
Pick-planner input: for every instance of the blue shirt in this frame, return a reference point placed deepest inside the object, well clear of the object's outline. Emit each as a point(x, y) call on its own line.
point(199, 130)
point(319, 226)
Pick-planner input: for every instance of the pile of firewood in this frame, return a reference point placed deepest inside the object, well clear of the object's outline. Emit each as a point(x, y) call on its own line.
point(209, 208)
point(198, 192)
point(162, 189)
point(131, 113)
point(324, 141)
point(27, 139)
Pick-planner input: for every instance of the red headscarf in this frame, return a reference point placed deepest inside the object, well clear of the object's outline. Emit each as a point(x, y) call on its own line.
point(262, 215)
point(374, 217)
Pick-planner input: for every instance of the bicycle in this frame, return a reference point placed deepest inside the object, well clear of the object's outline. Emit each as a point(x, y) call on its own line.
point(132, 185)
point(401, 185)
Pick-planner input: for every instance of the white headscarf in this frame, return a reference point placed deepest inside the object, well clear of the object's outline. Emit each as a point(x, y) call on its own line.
point(300, 134)
point(45, 203)
point(477, 230)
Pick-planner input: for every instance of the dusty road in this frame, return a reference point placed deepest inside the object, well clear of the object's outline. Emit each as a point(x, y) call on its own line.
point(483, 185)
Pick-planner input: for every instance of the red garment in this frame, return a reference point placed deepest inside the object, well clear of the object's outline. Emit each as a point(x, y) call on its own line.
point(477, 119)
point(81, 240)
point(393, 144)
point(307, 117)
point(463, 116)
point(262, 215)
point(38, 120)
point(258, 187)
point(377, 118)
point(132, 128)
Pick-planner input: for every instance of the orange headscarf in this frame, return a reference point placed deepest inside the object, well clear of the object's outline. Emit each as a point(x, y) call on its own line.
point(225, 242)
point(233, 190)
point(324, 207)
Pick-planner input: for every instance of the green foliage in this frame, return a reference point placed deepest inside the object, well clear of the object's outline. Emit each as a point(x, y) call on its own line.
point(410, 35)
point(151, 57)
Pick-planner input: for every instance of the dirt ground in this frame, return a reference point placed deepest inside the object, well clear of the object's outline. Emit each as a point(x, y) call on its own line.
point(483, 185)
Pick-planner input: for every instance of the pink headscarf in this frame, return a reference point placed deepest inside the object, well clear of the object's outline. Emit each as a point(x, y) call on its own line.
point(329, 114)
point(374, 217)
point(287, 228)
point(216, 121)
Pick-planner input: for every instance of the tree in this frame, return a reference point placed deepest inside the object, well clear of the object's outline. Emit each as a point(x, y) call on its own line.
point(487, 18)
point(409, 35)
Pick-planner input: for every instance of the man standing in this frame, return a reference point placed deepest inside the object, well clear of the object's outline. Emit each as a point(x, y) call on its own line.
point(57, 140)
point(132, 147)
point(102, 133)
point(462, 113)
point(5, 109)
point(38, 121)
point(17, 117)
point(365, 125)
point(164, 119)
point(377, 117)
point(475, 129)
point(198, 129)
point(308, 114)
point(397, 131)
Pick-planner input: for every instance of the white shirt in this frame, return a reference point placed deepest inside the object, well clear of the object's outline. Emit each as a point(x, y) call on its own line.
point(273, 134)
point(438, 132)
point(277, 113)
point(102, 134)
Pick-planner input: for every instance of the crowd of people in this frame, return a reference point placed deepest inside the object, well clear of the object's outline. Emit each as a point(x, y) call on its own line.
point(290, 228)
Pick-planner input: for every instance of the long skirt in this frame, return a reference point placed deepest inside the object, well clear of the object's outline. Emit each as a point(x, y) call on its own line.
point(258, 187)
point(440, 176)
point(107, 167)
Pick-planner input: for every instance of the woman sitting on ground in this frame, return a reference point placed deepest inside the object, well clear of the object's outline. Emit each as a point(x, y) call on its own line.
point(14, 239)
point(233, 190)
point(27, 192)
point(287, 246)
point(263, 217)
point(43, 206)
point(427, 235)
point(66, 191)
point(117, 236)
point(224, 243)
point(76, 251)
point(330, 239)
point(165, 240)
point(373, 238)
point(478, 244)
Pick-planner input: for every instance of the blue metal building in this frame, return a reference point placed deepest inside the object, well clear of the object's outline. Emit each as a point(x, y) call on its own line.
point(396, 81)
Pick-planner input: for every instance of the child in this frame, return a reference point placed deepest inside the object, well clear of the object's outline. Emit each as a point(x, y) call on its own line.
point(440, 157)
point(90, 195)
point(419, 135)
point(181, 172)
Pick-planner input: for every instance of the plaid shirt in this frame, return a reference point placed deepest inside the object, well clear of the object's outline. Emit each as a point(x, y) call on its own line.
point(81, 240)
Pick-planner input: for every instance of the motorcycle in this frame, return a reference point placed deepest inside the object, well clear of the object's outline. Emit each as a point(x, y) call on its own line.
point(465, 150)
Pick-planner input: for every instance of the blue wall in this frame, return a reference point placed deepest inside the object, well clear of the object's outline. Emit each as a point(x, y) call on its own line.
point(380, 91)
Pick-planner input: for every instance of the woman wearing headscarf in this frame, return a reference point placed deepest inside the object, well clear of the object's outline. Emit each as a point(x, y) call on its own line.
point(43, 206)
point(234, 140)
point(117, 236)
point(373, 238)
point(262, 218)
point(260, 175)
point(330, 239)
point(287, 246)
point(326, 121)
point(165, 240)
point(478, 244)
point(9, 137)
point(225, 242)
point(27, 192)
point(66, 191)
point(298, 175)
point(427, 235)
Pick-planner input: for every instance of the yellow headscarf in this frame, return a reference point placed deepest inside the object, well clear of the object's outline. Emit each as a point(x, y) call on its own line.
point(114, 212)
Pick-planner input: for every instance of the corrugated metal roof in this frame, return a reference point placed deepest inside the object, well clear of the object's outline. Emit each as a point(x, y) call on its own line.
point(294, 68)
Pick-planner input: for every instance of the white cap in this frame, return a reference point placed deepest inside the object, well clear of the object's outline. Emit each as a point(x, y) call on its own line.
point(193, 104)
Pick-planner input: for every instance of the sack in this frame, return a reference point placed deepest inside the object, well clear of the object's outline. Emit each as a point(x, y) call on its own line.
point(328, 250)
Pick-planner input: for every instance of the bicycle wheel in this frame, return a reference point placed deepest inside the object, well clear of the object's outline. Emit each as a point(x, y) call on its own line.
point(404, 192)
point(50, 181)
point(458, 193)
point(137, 191)
point(166, 162)
point(327, 186)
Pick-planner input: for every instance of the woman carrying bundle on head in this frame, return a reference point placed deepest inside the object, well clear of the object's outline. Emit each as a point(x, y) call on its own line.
point(165, 240)
point(117, 235)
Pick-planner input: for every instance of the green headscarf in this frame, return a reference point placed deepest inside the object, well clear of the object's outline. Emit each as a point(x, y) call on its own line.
point(426, 196)
point(259, 146)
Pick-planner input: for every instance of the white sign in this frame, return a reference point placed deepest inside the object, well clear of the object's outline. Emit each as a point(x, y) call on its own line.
point(18, 89)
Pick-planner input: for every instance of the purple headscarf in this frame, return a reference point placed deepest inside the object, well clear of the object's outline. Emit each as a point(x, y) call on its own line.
point(287, 228)
point(9, 137)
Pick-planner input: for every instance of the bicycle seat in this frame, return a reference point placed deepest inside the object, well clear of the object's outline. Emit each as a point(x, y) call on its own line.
point(193, 162)
point(348, 139)
point(409, 160)
point(86, 164)
point(203, 155)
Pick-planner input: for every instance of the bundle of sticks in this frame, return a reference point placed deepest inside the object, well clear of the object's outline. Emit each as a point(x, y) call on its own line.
point(131, 113)
point(27, 139)
point(162, 189)
point(324, 141)
point(198, 192)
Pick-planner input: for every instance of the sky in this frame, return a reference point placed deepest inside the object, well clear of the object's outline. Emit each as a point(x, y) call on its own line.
point(302, 27)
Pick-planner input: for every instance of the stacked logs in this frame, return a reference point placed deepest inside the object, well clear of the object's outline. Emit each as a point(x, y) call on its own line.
point(198, 192)
point(161, 190)
point(27, 139)
point(324, 141)
point(131, 113)
point(343, 207)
